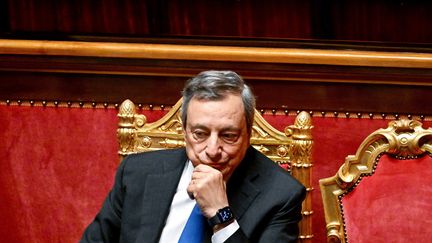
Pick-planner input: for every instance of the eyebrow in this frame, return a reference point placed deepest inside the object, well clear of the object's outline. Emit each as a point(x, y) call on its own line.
point(228, 128)
point(231, 129)
point(198, 126)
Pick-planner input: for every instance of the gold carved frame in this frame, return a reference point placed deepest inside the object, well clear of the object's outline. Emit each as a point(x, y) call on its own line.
point(403, 139)
point(292, 147)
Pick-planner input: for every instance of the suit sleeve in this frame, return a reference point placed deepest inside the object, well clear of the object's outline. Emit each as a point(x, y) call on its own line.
point(106, 225)
point(282, 227)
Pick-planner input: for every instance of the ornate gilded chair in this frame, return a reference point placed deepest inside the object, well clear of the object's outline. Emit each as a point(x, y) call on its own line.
point(291, 149)
point(383, 193)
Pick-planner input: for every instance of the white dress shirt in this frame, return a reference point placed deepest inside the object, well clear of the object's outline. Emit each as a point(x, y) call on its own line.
point(181, 208)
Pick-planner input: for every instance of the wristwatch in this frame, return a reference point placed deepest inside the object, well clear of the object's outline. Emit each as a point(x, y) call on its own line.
point(223, 215)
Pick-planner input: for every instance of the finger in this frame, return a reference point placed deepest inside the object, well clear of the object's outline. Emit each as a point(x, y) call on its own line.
point(203, 171)
point(191, 195)
point(202, 174)
point(191, 190)
point(203, 168)
point(199, 175)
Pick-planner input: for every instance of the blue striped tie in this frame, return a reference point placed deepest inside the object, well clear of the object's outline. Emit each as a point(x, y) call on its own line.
point(194, 230)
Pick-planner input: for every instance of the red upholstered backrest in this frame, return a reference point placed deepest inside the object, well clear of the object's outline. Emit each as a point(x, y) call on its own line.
point(57, 165)
point(392, 205)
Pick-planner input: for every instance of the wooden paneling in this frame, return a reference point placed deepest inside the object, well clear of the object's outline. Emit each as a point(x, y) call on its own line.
point(282, 78)
point(381, 20)
point(400, 22)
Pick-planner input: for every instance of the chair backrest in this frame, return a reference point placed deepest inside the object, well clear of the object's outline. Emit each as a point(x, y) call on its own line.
point(383, 193)
point(291, 149)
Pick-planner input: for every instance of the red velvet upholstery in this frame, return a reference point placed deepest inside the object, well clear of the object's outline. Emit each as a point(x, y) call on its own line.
point(382, 193)
point(56, 167)
point(57, 164)
point(393, 205)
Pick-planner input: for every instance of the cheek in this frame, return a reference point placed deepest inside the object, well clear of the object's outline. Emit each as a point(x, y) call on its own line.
point(235, 153)
point(192, 155)
point(193, 147)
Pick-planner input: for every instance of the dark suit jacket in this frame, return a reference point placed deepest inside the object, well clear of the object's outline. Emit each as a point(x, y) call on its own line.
point(265, 199)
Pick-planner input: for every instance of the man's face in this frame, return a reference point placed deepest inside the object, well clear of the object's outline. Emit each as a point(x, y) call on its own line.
point(216, 133)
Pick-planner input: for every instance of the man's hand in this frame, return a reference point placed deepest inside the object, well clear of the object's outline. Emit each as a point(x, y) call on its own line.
point(209, 189)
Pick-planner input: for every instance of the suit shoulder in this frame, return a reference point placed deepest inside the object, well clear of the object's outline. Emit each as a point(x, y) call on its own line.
point(153, 158)
point(278, 176)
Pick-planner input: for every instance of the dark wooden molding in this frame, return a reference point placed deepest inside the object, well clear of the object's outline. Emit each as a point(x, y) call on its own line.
point(285, 78)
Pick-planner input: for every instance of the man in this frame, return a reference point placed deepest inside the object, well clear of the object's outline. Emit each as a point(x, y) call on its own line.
point(242, 195)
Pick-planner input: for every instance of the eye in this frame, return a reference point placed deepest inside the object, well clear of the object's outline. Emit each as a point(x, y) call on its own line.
point(230, 137)
point(199, 135)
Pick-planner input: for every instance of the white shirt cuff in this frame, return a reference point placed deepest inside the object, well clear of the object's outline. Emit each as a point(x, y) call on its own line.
point(223, 234)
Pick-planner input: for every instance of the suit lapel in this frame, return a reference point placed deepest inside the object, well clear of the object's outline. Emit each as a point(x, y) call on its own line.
point(240, 189)
point(240, 198)
point(158, 193)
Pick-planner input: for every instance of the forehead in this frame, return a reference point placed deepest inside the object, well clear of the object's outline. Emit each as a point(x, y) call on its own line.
point(227, 111)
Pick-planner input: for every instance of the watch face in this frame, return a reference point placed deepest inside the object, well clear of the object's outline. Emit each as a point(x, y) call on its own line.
point(225, 214)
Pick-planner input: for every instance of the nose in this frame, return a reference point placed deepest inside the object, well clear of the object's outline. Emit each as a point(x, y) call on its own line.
point(213, 149)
